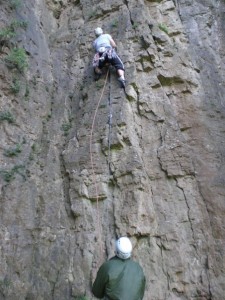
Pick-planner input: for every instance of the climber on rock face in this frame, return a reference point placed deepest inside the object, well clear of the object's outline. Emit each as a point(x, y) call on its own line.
point(105, 53)
point(120, 277)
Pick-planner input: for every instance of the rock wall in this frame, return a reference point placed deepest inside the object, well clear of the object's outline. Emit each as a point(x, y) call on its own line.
point(83, 162)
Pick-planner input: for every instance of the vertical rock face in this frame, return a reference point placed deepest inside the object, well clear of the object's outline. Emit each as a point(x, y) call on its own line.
point(83, 162)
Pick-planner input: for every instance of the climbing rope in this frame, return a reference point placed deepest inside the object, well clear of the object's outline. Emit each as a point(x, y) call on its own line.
point(110, 126)
point(92, 164)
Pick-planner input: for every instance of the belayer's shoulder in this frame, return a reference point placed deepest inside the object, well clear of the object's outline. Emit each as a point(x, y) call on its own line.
point(113, 258)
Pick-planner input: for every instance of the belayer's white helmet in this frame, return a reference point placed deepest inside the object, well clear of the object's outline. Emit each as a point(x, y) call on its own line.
point(98, 31)
point(123, 248)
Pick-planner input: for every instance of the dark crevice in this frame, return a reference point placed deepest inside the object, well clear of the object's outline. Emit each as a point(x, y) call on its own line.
point(66, 186)
point(193, 236)
point(188, 211)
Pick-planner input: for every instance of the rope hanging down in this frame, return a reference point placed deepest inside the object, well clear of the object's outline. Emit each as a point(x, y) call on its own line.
point(92, 164)
point(110, 126)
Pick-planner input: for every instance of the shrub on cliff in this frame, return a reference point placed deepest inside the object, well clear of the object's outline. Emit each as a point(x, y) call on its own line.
point(17, 58)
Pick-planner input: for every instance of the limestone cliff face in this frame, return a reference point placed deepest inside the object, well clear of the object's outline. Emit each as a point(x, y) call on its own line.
point(157, 166)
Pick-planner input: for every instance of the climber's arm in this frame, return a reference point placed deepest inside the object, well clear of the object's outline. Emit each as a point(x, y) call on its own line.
point(112, 43)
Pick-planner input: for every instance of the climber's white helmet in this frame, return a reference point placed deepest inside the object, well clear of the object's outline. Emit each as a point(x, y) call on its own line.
point(98, 31)
point(123, 248)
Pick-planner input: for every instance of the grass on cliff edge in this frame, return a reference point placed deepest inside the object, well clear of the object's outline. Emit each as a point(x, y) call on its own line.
point(15, 4)
point(10, 31)
point(13, 151)
point(9, 175)
point(6, 116)
point(164, 28)
point(17, 58)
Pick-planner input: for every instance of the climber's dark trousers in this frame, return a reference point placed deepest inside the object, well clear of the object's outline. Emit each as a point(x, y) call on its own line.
point(114, 61)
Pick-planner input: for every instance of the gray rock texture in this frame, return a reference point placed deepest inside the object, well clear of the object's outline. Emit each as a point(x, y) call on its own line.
point(83, 162)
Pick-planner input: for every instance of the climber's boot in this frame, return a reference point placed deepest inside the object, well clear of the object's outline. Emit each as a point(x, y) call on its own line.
point(122, 82)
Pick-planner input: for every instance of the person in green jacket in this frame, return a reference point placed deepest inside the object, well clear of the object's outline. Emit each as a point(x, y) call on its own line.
point(120, 278)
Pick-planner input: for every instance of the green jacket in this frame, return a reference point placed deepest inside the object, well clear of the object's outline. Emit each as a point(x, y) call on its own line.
point(119, 279)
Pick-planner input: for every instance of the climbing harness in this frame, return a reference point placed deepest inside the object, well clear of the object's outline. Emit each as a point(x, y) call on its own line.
point(102, 54)
point(92, 164)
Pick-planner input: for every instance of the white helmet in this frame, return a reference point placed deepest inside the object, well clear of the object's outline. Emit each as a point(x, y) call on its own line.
point(98, 31)
point(123, 248)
